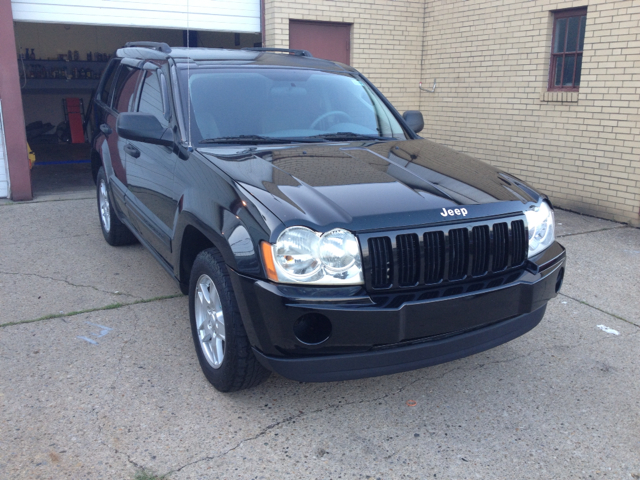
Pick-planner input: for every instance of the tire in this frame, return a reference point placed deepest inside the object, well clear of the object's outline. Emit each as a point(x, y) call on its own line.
point(219, 336)
point(114, 231)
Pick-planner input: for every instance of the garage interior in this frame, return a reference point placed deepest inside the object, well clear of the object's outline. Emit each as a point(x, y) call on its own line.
point(60, 67)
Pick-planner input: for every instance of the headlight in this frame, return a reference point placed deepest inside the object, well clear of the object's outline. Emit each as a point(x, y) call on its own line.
point(301, 255)
point(296, 252)
point(541, 228)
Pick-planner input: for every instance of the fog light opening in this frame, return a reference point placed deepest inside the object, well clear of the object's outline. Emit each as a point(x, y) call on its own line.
point(312, 329)
point(559, 280)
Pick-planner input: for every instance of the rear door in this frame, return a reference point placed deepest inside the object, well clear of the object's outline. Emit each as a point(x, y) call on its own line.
point(123, 100)
point(107, 141)
point(153, 199)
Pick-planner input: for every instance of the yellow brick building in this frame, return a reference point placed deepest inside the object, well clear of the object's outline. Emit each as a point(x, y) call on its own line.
point(494, 99)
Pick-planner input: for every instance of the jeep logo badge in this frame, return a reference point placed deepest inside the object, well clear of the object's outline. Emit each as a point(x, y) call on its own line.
point(455, 211)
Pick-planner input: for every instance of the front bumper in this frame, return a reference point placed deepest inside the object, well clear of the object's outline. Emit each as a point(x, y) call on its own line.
point(371, 336)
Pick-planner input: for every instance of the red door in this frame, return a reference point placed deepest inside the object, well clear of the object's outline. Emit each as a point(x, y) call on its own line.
point(331, 41)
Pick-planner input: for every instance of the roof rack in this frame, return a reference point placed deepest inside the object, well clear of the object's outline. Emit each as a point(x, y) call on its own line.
point(160, 46)
point(301, 53)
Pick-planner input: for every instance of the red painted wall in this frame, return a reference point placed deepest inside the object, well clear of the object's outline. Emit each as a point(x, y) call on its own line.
point(14, 131)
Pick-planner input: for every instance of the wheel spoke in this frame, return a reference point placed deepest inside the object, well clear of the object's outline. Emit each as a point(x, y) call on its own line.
point(220, 328)
point(219, 350)
point(204, 288)
point(215, 301)
point(203, 324)
point(207, 337)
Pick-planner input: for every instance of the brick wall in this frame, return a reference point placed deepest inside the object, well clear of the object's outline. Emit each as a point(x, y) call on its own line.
point(386, 38)
point(491, 60)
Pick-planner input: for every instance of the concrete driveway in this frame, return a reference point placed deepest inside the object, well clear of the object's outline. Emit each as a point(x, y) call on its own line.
point(99, 377)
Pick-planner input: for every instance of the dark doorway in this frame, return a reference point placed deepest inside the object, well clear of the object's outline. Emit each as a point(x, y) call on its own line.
point(331, 41)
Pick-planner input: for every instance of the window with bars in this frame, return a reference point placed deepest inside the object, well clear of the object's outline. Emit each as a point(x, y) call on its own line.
point(566, 49)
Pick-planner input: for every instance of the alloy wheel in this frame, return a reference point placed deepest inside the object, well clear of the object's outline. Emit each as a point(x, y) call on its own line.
point(105, 207)
point(210, 321)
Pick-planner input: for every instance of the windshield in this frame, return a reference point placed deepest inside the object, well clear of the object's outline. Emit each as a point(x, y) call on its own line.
point(274, 104)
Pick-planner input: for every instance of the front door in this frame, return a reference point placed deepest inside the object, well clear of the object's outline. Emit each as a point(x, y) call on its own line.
point(150, 169)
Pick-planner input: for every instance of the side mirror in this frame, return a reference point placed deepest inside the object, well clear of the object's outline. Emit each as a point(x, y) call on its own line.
point(143, 127)
point(414, 119)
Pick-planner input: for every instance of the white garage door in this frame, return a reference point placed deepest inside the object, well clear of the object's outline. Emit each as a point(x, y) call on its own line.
point(240, 16)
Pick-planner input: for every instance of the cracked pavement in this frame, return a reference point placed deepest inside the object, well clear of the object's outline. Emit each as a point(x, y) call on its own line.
point(101, 394)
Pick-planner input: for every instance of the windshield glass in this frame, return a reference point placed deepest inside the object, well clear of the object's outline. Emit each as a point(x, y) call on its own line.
point(284, 104)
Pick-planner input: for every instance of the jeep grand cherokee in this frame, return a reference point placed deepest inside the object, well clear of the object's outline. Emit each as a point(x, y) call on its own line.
point(316, 234)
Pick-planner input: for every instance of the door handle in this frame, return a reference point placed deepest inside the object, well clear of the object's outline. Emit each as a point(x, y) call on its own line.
point(131, 150)
point(106, 129)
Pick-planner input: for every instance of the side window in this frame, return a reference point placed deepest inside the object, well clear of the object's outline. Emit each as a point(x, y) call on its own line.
point(124, 93)
point(107, 81)
point(151, 98)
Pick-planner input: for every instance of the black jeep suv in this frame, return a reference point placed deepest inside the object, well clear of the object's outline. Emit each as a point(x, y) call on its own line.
point(317, 235)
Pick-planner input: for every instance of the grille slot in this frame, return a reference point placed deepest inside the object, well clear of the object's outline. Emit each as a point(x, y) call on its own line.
point(408, 259)
point(458, 253)
point(408, 247)
point(433, 256)
point(381, 256)
point(500, 246)
point(520, 242)
point(480, 250)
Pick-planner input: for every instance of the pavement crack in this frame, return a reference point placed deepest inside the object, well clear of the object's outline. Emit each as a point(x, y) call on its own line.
point(46, 200)
point(263, 432)
point(111, 306)
point(47, 240)
point(128, 457)
point(599, 309)
point(287, 420)
point(591, 231)
point(391, 455)
point(44, 277)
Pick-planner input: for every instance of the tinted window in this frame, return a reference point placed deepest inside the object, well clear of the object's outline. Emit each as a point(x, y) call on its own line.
point(124, 93)
point(151, 97)
point(108, 81)
point(285, 103)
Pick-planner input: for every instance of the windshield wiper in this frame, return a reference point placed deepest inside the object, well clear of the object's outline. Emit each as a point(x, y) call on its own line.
point(257, 140)
point(346, 136)
point(244, 139)
point(262, 140)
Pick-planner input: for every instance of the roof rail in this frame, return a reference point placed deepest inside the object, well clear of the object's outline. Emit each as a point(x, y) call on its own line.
point(160, 46)
point(301, 53)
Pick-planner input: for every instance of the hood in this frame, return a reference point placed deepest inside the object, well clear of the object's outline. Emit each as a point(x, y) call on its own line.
point(366, 186)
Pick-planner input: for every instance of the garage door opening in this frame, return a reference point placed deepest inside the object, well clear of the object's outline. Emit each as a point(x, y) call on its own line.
point(60, 67)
